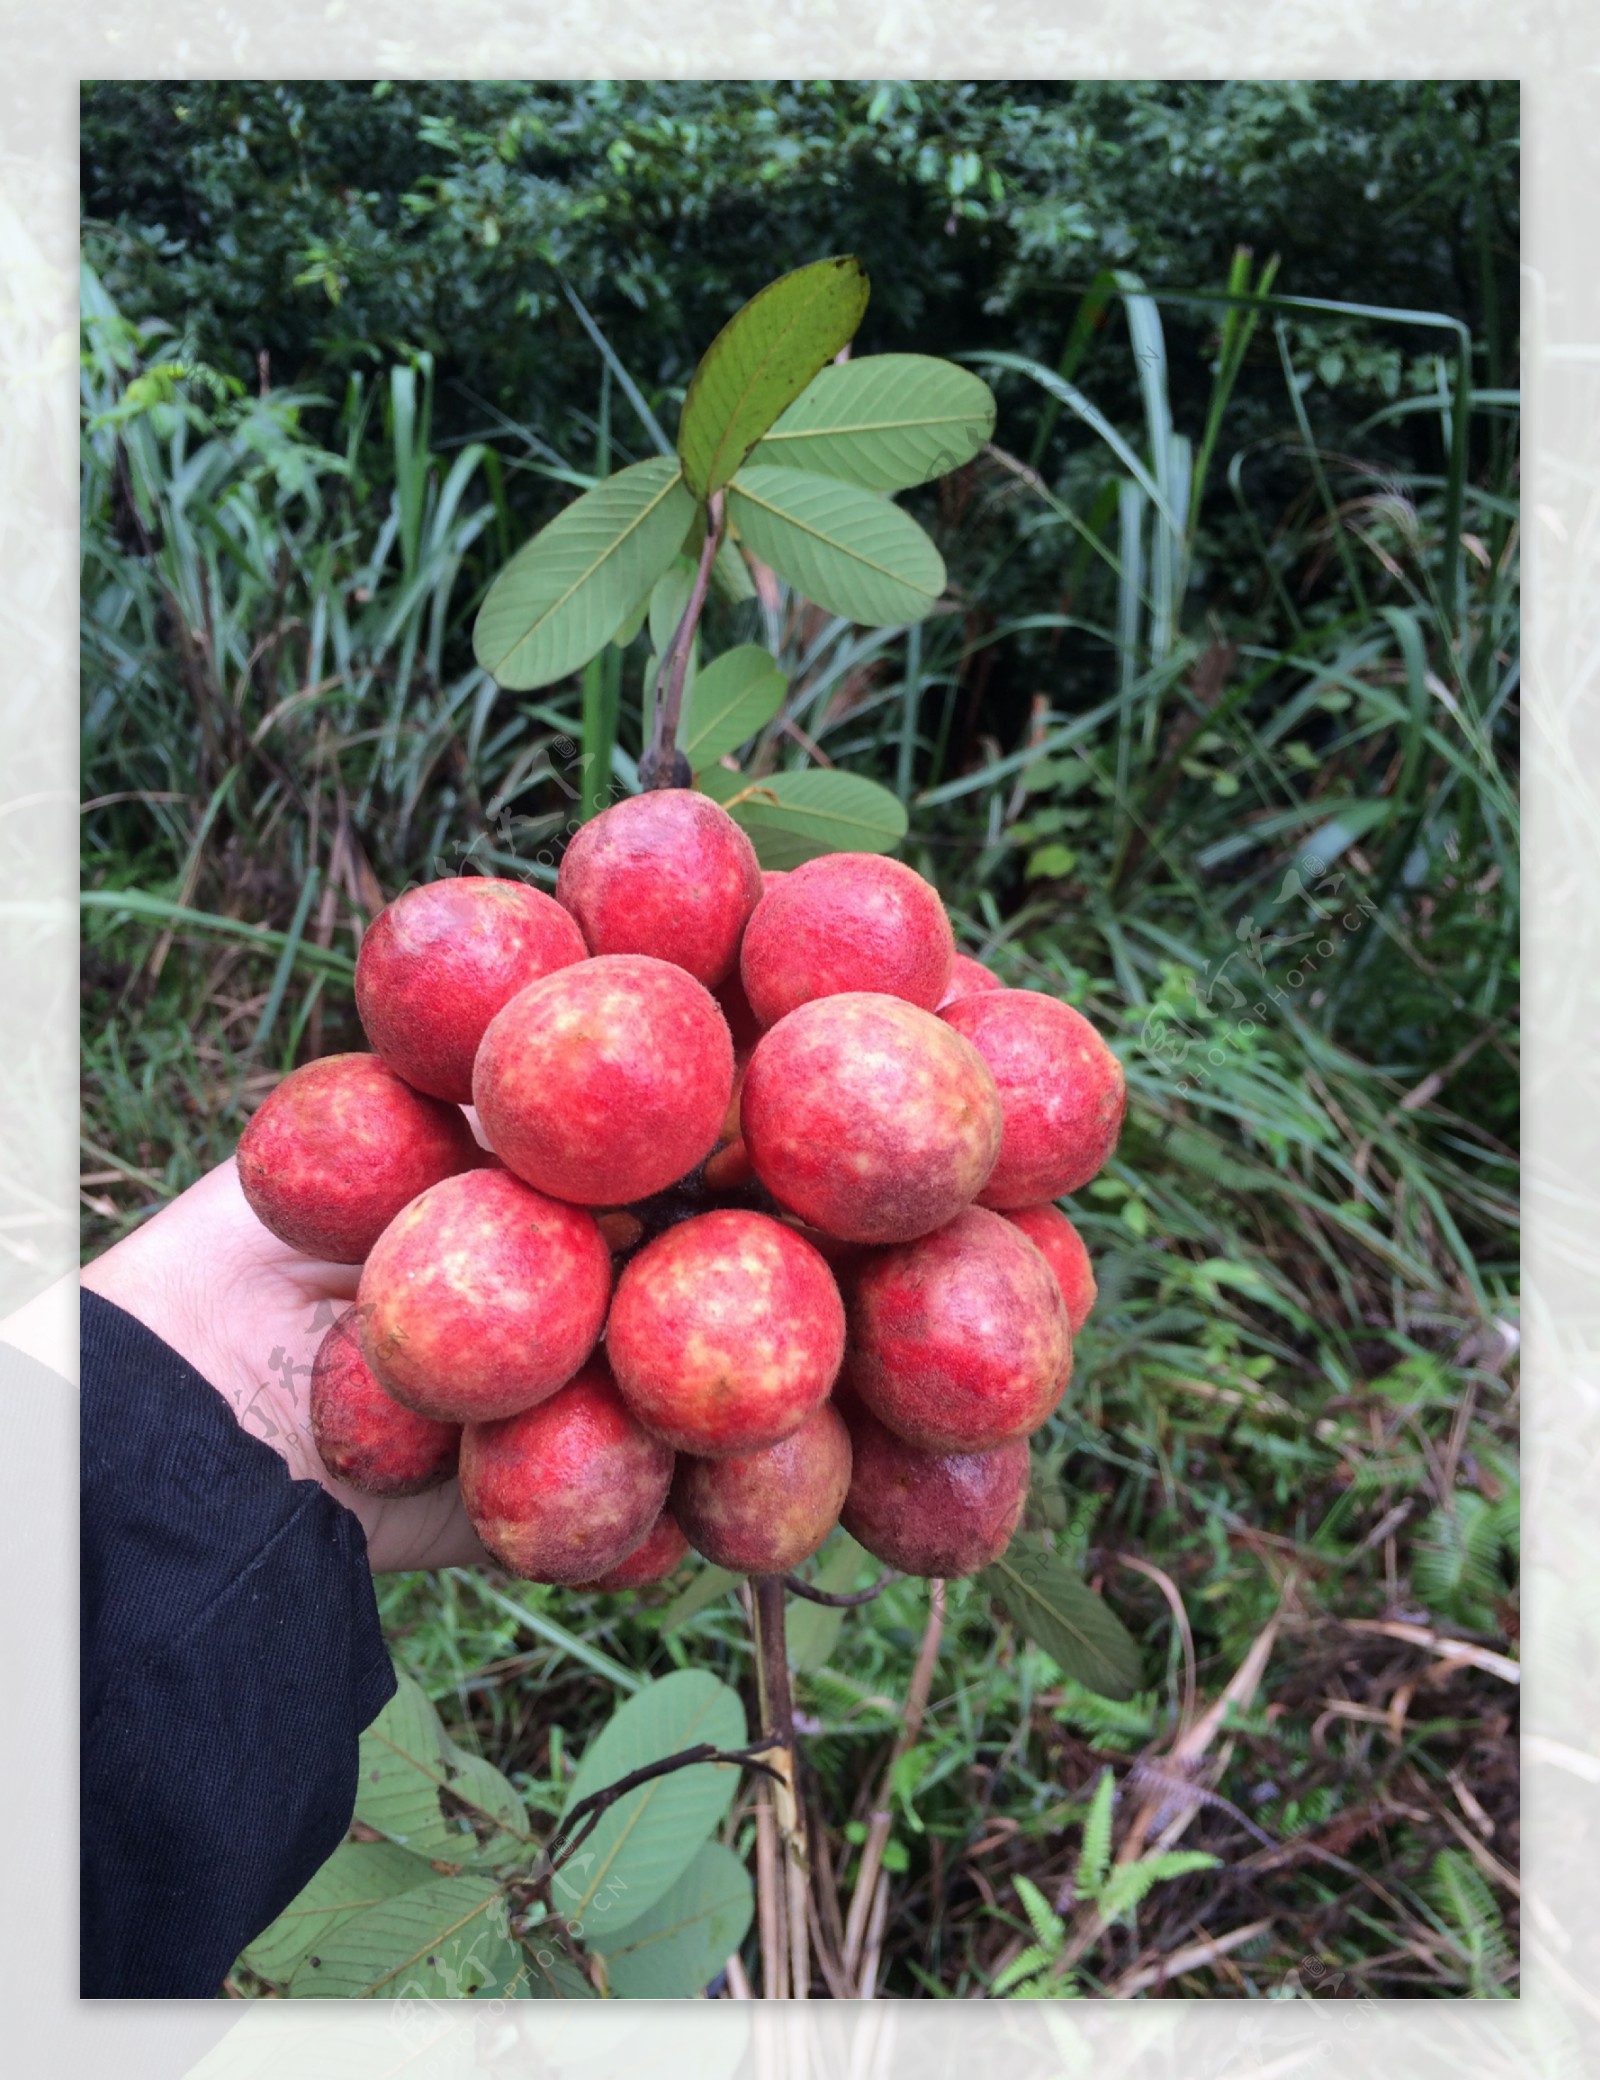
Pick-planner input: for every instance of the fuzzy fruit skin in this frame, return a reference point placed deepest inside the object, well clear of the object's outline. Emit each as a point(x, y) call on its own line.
point(363, 1435)
point(668, 873)
point(764, 1512)
point(1062, 1091)
point(861, 1117)
point(968, 978)
point(664, 1551)
point(1061, 1246)
point(931, 1513)
point(606, 1081)
point(726, 1332)
point(960, 1342)
point(439, 962)
point(482, 1298)
point(567, 1491)
point(847, 921)
point(339, 1147)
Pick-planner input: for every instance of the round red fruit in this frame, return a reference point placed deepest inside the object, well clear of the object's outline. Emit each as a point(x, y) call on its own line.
point(968, 978)
point(567, 1491)
point(1062, 1092)
point(1061, 1246)
point(439, 962)
point(363, 1436)
point(339, 1147)
point(669, 874)
point(931, 1513)
point(869, 1117)
point(726, 1332)
point(664, 1551)
point(763, 1512)
point(482, 1298)
point(960, 1341)
point(606, 1081)
point(847, 921)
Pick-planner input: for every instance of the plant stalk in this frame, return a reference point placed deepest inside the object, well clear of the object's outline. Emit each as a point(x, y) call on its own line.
point(660, 766)
point(776, 1705)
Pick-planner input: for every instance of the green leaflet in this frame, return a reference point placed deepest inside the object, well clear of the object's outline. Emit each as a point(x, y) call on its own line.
point(647, 1839)
point(760, 362)
point(1080, 1633)
point(736, 694)
point(358, 1875)
point(448, 1939)
point(793, 817)
point(406, 1760)
point(885, 422)
point(853, 553)
point(676, 1948)
point(565, 593)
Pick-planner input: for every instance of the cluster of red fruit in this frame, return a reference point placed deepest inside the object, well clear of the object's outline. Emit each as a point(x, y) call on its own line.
point(770, 1136)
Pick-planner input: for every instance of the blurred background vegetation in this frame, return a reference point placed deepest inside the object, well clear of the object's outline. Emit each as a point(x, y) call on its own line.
point(1214, 734)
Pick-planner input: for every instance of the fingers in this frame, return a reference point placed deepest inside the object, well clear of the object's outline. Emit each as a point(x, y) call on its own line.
point(422, 1531)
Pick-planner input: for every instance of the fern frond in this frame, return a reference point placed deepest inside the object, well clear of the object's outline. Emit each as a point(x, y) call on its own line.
point(1130, 1882)
point(1046, 1924)
point(1095, 1855)
point(1033, 1962)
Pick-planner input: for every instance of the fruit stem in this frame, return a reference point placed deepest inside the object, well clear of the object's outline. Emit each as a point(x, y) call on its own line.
point(776, 1705)
point(659, 767)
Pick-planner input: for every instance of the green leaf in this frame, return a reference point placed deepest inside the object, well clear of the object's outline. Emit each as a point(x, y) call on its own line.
point(886, 422)
point(1094, 1853)
point(1046, 1924)
point(648, 1838)
point(1130, 1882)
point(730, 574)
point(795, 816)
point(565, 593)
point(406, 1761)
point(447, 1939)
point(551, 1974)
point(1046, 1600)
point(737, 694)
point(760, 362)
point(675, 1949)
point(668, 597)
point(631, 623)
point(1034, 1960)
point(356, 1876)
point(703, 1589)
point(813, 1627)
point(1050, 862)
point(851, 552)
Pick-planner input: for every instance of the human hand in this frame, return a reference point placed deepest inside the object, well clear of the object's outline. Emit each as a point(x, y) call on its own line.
point(248, 1313)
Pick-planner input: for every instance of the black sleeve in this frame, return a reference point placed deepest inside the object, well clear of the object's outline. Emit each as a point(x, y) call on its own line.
point(230, 1656)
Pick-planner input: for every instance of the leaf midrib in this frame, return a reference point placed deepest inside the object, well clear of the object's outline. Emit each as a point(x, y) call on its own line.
point(801, 311)
point(828, 542)
point(813, 433)
point(583, 579)
point(435, 1941)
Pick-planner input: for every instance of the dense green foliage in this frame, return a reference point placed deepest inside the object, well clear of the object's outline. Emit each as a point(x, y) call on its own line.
point(1215, 733)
